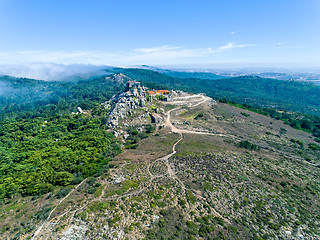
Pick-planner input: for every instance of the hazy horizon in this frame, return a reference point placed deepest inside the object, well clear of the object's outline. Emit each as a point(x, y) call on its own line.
point(53, 71)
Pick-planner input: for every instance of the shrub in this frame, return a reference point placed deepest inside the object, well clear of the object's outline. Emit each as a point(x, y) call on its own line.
point(199, 115)
point(149, 128)
point(245, 114)
point(77, 180)
point(247, 145)
point(63, 192)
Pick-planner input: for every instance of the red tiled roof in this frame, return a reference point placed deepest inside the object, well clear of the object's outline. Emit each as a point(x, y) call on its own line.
point(162, 91)
point(151, 92)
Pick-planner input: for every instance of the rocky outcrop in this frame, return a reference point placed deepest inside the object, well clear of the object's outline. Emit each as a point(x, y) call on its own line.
point(123, 104)
point(79, 109)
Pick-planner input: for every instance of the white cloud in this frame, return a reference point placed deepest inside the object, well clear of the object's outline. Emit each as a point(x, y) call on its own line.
point(157, 49)
point(152, 55)
point(226, 47)
point(284, 45)
point(234, 32)
point(136, 56)
point(232, 46)
point(49, 71)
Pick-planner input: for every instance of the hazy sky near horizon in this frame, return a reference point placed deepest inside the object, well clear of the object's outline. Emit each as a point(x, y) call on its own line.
point(127, 32)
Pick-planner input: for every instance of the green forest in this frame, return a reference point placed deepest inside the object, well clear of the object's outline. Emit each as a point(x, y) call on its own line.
point(40, 153)
point(43, 145)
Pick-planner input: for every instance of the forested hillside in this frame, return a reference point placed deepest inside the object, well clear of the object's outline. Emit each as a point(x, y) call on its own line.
point(42, 144)
point(44, 98)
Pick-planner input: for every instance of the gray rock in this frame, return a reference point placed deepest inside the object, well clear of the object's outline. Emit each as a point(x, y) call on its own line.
point(79, 110)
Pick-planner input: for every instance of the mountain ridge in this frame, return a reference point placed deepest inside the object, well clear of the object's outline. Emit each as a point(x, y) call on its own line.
point(207, 170)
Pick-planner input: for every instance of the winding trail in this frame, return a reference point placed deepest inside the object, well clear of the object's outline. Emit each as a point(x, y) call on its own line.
point(165, 159)
point(173, 129)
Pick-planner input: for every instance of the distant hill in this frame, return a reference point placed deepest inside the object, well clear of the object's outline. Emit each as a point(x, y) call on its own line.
point(264, 92)
point(200, 75)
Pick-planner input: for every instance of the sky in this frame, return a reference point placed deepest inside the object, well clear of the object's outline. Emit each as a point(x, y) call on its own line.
point(167, 32)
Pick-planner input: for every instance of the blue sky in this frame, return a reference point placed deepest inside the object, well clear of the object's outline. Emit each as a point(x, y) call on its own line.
point(166, 32)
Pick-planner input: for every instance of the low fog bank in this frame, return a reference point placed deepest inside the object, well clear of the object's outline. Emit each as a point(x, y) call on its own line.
point(52, 71)
point(5, 89)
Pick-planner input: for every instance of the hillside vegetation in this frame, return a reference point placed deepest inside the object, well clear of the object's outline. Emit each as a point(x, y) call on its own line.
point(210, 170)
point(40, 153)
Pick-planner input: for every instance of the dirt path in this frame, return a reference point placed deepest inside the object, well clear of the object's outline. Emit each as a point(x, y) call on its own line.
point(171, 171)
point(180, 131)
point(173, 129)
point(103, 192)
point(43, 225)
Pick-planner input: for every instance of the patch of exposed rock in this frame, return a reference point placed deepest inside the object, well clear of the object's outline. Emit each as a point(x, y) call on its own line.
point(127, 109)
point(118, 77)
